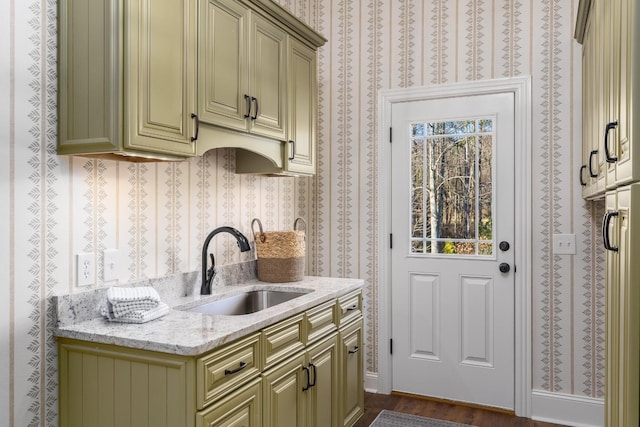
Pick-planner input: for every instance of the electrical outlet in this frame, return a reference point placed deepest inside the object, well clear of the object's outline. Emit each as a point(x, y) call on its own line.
point(110, 264)
point(564, 244)
point(85, 269)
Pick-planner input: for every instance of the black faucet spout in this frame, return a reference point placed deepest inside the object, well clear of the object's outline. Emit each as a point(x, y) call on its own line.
point(209, 274)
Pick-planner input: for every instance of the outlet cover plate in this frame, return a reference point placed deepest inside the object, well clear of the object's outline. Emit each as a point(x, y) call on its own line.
point(85, 269)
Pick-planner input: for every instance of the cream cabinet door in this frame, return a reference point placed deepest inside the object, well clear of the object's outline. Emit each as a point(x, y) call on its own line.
point(284, 403)
point(322, 395)
point(267, 79)
point(223, 98)
point(302, 95)
point(352, 376)
point(160, 75)
point(622, 242)
point(243, 408)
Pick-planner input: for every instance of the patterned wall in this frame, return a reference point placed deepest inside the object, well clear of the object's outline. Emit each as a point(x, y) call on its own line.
point(157, 214)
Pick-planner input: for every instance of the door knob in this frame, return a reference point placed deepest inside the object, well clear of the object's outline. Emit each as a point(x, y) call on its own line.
point(504, 267)
point(504, 246)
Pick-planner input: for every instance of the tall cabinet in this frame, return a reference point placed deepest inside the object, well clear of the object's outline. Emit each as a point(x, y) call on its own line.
point(610, 34)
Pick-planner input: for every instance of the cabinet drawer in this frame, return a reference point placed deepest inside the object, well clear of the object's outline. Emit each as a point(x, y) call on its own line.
point(349, 307)
point(320, 321)
point(225, 369)
point(282, 339)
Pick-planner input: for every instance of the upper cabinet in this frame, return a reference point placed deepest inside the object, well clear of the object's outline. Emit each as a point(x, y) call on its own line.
point(242, 73)
point(609, 34)
point(168, 79)
point(127, 78)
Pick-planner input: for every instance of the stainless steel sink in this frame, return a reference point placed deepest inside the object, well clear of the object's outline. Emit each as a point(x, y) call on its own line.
point(246, 303)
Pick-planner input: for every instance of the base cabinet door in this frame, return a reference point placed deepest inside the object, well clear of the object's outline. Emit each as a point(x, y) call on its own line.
point(283, 398)
point(242, 408)
point(322, 393)
point(622, 242)
point(352, 375)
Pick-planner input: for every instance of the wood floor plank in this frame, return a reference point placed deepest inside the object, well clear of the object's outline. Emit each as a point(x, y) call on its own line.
point(479, 417)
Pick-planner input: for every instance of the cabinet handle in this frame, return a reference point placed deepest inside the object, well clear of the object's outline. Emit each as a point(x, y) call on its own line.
point(592, 174)
point(582, 169)
point(195, 116)
point(238, 369)
point(355, 350)
point(255, 116)
point(247, 100)
point(293, 149)
point(605, 231)
point(607, 154)
point(353, 307)
point(306, 387)
point(311, 365)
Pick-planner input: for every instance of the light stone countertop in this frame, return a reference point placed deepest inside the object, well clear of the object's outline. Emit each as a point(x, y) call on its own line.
point(188, 333)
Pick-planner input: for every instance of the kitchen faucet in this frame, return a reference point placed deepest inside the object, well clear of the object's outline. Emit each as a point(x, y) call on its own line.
point(208, 275)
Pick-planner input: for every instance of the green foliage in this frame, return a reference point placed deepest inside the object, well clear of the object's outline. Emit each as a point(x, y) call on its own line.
point(449, 248)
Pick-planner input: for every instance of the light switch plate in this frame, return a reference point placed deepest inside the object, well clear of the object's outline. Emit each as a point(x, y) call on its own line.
point(564, 244)
point(110, 264)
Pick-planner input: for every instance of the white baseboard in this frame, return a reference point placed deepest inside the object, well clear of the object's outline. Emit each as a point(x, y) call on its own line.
point(567, 409)
point(371, 382)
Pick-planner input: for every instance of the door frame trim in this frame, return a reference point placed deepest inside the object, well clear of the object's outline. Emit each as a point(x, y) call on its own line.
point(521, 88)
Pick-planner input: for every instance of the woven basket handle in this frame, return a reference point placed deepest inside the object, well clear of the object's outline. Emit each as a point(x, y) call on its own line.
point(262, 238)
point(295, 224)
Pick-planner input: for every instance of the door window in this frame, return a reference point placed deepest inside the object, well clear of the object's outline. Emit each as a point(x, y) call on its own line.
point(451, 187)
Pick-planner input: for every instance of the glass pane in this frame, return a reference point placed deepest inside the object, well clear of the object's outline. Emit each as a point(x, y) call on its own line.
point(451, 189)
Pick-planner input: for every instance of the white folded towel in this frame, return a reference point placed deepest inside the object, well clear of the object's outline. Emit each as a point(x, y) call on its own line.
point(142, 316)
point(136, 304)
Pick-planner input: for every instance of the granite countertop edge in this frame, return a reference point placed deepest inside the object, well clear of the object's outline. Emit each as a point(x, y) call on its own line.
point(189, 333)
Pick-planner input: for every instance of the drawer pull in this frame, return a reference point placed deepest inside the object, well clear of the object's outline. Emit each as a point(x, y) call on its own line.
point(238, 369)
point(355, 350)
point(353, 307)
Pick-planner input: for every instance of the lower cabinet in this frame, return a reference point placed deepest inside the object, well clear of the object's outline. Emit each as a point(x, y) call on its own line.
point(303, 371)
point(303, 390)
point(241, 408)
point(352, 374)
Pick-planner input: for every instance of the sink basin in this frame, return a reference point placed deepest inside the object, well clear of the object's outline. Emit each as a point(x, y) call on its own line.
point(246, 303)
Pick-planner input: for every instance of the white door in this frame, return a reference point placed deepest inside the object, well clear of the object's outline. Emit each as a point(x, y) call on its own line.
point(452, 254)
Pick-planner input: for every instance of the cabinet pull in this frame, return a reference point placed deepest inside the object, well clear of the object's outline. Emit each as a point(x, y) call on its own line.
point(607, 154)
point(238, 369)
point(247, 100)
point(355, 350)
point(307, 386)
point(293, 149)
point(195, 116)
point(592, 174)
point(353, 307)
point(311, 365)
point(255, 116)
point(582, 169)
point(605, 231)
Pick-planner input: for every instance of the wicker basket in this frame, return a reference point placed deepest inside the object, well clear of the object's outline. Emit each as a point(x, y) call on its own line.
point(281, 254)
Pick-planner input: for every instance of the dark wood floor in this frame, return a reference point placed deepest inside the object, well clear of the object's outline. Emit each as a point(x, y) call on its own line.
point(374, 403)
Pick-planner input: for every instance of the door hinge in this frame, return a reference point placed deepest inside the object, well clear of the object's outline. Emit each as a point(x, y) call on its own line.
point(390, 240)
point(390, 134)
point(390, 345)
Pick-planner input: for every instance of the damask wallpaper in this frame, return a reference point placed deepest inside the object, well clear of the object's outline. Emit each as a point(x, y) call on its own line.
point(53, 207)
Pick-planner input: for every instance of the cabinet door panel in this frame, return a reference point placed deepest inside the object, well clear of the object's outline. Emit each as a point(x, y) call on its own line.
point(223, 64)
point(352, 373)
point(242, 408)
point(302, 109)
point(284, 403)
point(268, 78)
point(160, 75)
point(323, 361)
